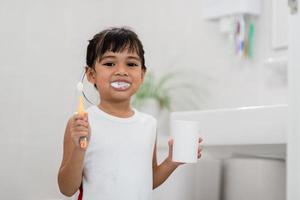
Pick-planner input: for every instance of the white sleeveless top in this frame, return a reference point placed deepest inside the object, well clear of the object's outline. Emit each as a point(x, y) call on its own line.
point(118, 161)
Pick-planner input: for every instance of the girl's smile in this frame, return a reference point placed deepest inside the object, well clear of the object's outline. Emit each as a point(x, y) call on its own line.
point(120, 85)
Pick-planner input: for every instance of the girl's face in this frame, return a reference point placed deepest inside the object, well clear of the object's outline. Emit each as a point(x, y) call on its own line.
point(117, 76)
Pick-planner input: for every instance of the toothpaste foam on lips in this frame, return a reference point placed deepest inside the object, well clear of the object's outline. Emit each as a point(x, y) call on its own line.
point(120, 85)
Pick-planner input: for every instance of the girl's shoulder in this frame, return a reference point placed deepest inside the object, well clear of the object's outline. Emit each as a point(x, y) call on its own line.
point(146, 116)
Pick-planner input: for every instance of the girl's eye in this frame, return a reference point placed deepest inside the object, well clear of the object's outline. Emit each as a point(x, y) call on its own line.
point(109, 64)
point(132, 64)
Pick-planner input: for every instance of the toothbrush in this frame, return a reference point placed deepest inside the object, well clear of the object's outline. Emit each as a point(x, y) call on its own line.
point(81, 111)
point(251, 40)
point(240, 35)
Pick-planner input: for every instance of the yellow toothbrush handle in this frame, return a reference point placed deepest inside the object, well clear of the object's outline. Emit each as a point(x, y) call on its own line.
point(81, 111)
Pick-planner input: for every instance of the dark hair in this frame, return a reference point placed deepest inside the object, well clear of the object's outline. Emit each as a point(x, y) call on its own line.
point(115, 40)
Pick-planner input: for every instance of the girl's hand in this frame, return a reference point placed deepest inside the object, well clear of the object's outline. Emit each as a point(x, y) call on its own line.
point(79, 128)
point(176, 164)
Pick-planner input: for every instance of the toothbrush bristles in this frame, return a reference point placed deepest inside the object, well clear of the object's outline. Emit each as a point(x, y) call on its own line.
point(79, 86)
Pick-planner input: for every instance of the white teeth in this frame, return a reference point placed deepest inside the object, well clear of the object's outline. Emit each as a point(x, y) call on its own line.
point(120, 85)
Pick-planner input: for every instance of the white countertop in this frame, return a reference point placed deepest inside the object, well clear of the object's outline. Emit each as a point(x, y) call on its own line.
point(253, 131)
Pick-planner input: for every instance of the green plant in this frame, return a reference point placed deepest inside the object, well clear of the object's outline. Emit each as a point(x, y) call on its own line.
point(155, 89)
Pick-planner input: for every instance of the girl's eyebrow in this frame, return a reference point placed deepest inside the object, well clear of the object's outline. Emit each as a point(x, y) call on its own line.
point(134, 57)
point(104, 57)
point(114, 57)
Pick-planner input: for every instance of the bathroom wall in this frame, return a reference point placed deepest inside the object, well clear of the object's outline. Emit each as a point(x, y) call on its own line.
point(42, 52)
point(198, 45)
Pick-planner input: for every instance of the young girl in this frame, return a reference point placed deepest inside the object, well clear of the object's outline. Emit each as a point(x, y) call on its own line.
point(119, 161)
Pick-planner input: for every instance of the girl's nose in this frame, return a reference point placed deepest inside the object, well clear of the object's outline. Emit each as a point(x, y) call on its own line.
point(121, 70)
point(121, 74)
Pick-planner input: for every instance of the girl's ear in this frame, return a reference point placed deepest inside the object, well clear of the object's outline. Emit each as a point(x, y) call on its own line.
point(90, 74)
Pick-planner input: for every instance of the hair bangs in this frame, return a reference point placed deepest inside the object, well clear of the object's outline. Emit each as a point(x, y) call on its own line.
point(117, 43)
point(114, 40)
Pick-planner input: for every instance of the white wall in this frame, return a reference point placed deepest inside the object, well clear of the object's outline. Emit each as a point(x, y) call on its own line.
point(43, 49)
point(293, 149)
point(230, 82)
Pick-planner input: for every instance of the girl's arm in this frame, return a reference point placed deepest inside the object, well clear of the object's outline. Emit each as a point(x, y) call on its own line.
point(165, 169)
point(70, 172)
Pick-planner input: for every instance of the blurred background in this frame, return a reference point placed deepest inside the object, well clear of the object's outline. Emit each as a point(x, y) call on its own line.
point(42, 55)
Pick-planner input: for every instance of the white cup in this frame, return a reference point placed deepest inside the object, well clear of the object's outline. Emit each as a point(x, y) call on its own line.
point(185, 136)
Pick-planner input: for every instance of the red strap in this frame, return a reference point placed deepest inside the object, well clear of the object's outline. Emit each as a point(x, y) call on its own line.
point(80, 193)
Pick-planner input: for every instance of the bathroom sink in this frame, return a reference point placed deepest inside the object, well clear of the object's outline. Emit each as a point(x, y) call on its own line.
point(247, 131)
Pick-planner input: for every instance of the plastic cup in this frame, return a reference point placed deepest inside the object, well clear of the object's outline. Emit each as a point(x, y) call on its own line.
point(185, 136)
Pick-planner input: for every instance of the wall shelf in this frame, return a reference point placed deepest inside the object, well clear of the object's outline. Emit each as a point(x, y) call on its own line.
point(214, 9)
